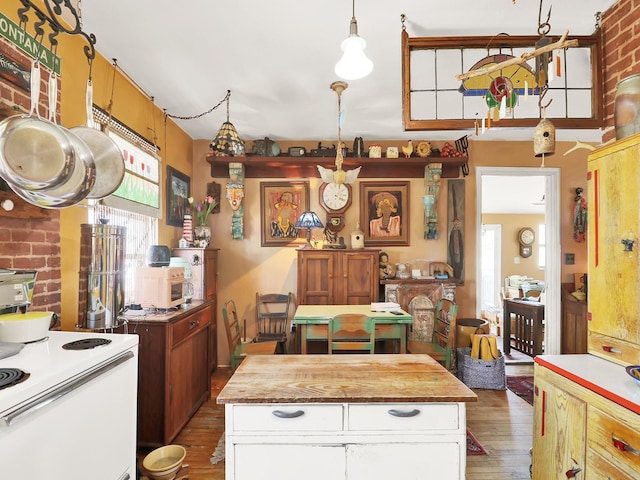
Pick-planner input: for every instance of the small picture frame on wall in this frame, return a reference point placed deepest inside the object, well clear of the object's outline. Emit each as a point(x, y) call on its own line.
point(281, 203)
point(384, 213)
point(178, 191)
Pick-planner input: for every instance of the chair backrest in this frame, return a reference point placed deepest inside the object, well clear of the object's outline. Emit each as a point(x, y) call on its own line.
point(231, 325)
point(444, 327)
point(272, 312)
point(351, 332)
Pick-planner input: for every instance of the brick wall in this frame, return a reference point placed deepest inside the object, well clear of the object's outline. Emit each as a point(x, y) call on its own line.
point(621, 35)
point(30, 239)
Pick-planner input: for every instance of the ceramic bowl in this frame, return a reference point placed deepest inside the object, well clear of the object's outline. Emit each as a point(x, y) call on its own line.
point(24, 327)
point(634, 372)
point(163, 463)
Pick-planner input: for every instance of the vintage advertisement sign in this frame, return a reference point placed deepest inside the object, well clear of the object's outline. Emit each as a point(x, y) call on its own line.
point(25, 42)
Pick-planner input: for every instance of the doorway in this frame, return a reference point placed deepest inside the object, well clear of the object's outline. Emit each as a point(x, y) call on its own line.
point(551, 256)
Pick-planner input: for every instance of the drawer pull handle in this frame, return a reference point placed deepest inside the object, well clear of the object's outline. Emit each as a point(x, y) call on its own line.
point(281, 414)
point(194, 324)
point(573, 472)
point(624, 446)
point(400, 413)
point(609, 349)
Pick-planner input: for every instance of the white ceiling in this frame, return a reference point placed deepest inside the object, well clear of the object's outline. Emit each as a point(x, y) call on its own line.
point(277, 58)
point(512, 194)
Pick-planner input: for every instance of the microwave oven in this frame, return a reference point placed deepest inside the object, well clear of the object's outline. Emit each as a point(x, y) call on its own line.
point(160, 287)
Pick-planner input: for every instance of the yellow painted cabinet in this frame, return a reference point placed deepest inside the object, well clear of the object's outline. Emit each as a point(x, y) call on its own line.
point(614, 238)
point(559, 428)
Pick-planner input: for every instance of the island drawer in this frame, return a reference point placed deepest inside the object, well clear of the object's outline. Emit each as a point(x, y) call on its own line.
point(287, 418)
point(404, 416)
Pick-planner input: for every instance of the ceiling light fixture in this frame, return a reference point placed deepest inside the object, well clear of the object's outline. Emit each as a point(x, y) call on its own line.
point(354, 64)
point(227, 141)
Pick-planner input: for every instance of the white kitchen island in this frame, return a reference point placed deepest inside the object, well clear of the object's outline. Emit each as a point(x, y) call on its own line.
point(351, 417)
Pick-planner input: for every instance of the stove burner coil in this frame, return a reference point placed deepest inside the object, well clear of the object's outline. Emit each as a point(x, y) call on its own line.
point(86, 343)
point(11, 376)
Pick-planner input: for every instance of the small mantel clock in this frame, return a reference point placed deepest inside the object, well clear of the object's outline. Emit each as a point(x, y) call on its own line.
point(335, 198)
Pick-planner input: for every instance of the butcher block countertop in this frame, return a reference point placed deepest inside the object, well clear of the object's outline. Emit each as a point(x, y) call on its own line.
point(342, 378)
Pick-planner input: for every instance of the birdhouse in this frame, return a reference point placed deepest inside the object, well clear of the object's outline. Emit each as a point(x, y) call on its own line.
point(544, 138)
point(357, 237)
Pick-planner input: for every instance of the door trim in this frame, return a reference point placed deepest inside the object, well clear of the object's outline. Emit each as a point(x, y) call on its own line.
point(552, 330)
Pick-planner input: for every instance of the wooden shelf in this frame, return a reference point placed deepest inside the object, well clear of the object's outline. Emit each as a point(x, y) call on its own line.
point(22, 209)
point(284, 166)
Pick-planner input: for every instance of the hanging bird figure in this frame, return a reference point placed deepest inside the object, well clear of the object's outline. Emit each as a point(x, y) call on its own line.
point(407, 149)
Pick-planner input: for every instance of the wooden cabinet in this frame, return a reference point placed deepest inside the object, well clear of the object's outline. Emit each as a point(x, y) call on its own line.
point(614, 268)
point(576, 427)
point(337, 277)
point(574, 327)
point(173, 375)
point(204, 277)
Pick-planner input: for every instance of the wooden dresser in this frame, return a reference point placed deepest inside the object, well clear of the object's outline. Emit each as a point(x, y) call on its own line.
point(338, 277)
point(173, 371)
point(587, 409)
point(345, 417)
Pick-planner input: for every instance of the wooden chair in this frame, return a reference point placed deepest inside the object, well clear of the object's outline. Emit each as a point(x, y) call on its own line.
point(351, 332)
point(272, 313)
point(442, 344)
point(237, 349)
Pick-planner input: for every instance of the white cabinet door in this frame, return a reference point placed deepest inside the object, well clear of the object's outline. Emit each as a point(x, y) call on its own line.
point(290, 462)
point(406, 461)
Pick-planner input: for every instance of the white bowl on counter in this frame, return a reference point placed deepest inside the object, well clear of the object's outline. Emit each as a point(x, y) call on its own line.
point(24, 327)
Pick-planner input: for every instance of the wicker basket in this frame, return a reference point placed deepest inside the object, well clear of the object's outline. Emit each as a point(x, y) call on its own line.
point(476, 373)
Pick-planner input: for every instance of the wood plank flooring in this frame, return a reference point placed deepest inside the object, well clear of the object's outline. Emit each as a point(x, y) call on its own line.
point(500, 420)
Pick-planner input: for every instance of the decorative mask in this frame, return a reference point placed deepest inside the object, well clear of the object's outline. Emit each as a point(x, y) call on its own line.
point(235, 194)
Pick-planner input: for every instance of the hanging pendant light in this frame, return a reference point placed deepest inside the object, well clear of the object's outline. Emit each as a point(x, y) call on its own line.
point(354, 64)
point(227, 141)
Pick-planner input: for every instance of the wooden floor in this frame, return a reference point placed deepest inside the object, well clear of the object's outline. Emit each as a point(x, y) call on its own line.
point(501, 421)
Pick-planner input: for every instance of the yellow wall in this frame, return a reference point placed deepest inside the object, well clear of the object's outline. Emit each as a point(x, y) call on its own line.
point(132, 108)
point(511, 225)
point(245, 267)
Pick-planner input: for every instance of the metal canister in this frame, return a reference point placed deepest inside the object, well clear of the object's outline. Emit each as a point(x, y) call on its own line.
point(102, 275)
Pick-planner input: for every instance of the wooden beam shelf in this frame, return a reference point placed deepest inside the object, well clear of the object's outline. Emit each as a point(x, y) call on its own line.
point(284, 166)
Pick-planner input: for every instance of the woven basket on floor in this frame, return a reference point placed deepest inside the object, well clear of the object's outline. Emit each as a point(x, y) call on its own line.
point(476, 373)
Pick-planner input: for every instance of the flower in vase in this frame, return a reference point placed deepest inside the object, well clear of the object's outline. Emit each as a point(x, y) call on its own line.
point(200, 211)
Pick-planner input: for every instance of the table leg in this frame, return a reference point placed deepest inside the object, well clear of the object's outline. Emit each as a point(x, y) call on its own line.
point(403, 338)
point(303, 339)
point(506, 334)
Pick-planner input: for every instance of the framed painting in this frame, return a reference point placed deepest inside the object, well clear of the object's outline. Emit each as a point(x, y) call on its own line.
point(178, 191)
point(281, 203)
point(384, 213)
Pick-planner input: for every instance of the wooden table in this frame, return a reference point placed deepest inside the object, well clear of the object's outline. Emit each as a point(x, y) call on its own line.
point(528, 332)
point(345, 417)
point(313, 321)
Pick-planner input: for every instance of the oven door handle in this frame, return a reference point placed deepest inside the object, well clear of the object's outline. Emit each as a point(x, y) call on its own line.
point(34, 406)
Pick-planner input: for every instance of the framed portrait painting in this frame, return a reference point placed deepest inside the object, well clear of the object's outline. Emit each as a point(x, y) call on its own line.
point(384, 213)
point(178, 191)
point(281, 203)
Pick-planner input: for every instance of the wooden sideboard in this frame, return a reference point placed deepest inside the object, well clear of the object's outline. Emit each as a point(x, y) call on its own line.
point(575, 327)
point(173, 371)
point(337, 277)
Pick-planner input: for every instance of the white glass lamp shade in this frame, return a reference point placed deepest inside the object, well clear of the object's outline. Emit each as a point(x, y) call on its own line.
point(354, 64)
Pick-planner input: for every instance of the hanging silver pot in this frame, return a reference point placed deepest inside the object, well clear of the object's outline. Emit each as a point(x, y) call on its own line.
point(34, 153)
point(107, 156)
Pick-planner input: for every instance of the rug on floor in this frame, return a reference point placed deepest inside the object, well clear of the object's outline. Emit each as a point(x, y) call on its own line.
point(474, 447)
point(521, 385)
point(218, 453)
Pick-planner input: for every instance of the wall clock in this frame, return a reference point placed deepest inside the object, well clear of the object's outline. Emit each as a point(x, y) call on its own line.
point(335, 198)
point(526, 237)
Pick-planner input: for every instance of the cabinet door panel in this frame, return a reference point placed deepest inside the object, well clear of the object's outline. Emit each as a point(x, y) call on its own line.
point(613, 217)
point(289, 462)
point(559, 432)
point(406, 461)
point(358, 270)
point(315, 278)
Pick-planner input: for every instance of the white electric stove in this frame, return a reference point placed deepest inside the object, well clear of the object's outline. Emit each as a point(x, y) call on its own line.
point(72, 414)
